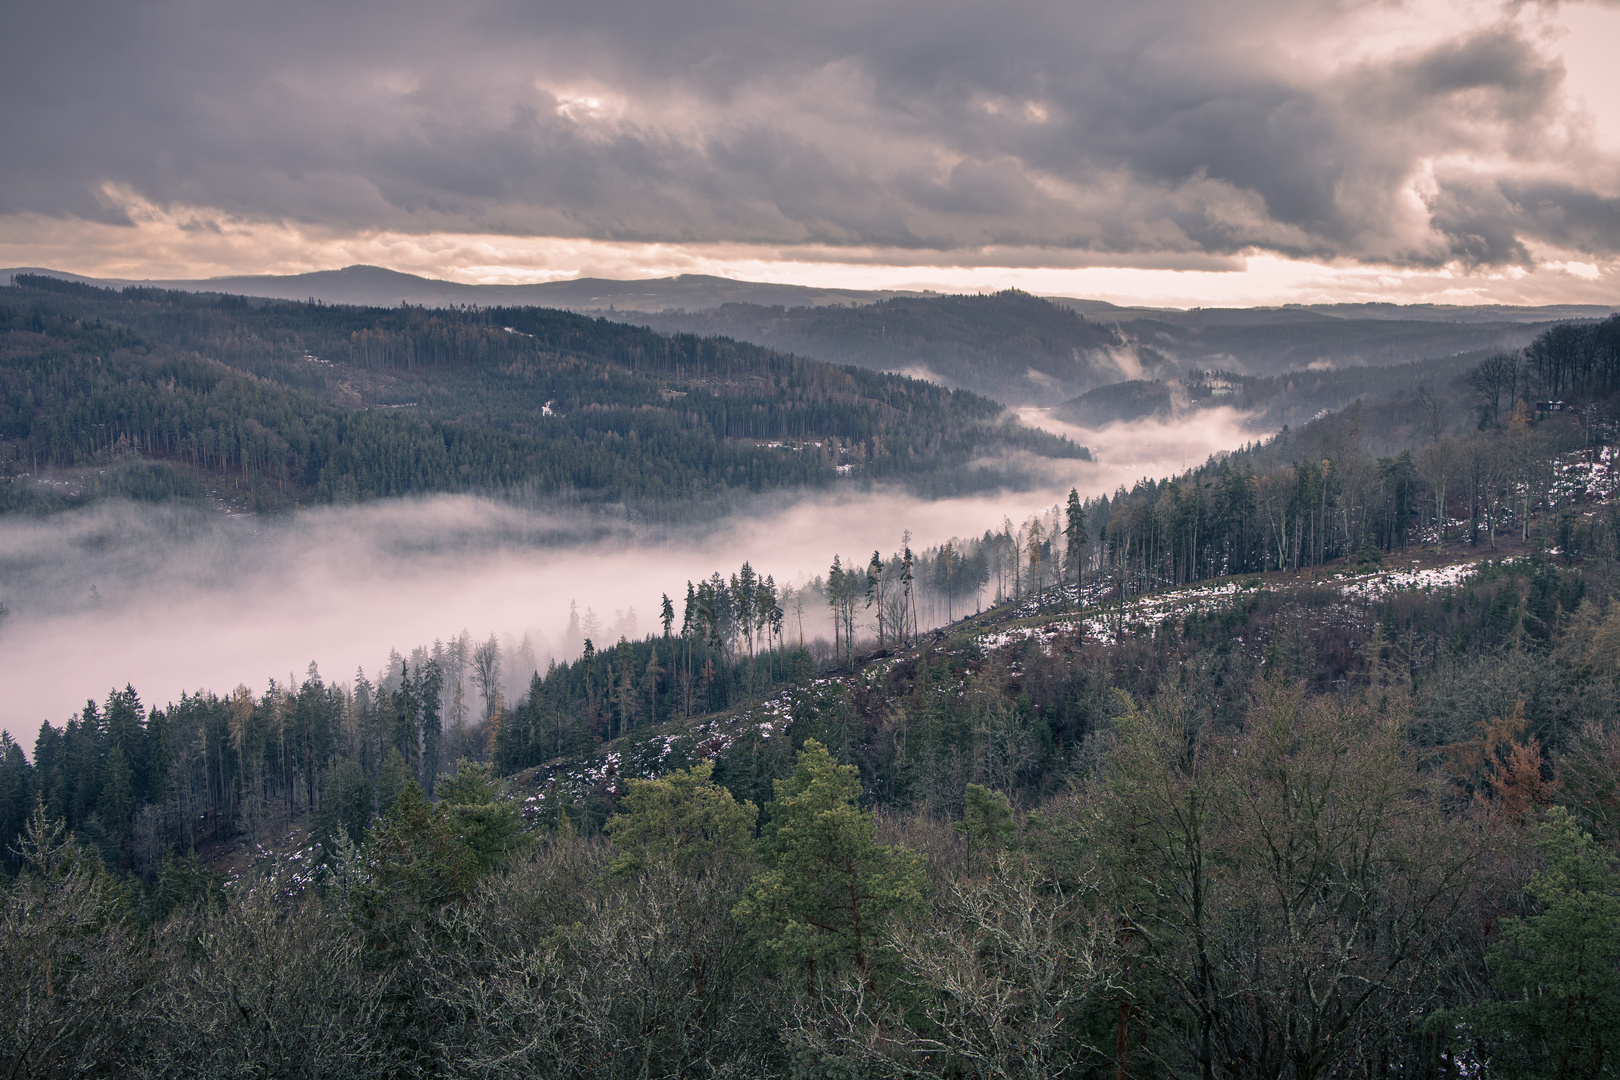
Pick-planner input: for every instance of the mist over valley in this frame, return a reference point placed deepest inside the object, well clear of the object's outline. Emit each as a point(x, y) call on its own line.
point(176, 598)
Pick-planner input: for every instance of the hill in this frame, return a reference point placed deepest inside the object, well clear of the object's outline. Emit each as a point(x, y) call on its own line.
point(1291, 398)
point(1014, 347)
point(1026, 350)
point(1124, 401)
point(1268, 343)
point(1103, 311)
point(375, 286)
point(283, 402)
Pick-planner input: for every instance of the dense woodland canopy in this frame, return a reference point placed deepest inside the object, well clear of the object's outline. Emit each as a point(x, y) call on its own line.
point(1292, 830)
point(163, 394)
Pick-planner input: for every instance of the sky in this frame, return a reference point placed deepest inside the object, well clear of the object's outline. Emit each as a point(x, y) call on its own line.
point(1163, 151)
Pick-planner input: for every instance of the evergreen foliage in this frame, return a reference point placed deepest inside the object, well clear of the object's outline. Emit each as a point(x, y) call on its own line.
point(285, 403)
point(827, 886)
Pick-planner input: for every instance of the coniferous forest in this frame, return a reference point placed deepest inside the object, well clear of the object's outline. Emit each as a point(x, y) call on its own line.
point(272, 404)
point(1302, 763)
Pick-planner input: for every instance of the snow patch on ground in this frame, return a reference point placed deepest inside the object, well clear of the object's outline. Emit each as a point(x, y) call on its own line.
point(1143, 614)
point(648, 754)
point(1586, 476)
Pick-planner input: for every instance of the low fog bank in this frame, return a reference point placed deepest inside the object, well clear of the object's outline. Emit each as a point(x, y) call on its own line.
point(174, 599)
point(1151, 447)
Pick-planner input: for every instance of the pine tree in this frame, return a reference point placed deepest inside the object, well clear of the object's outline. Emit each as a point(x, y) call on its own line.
point(1078, 539)
point(407, 733)
point(16, 796)
point(311, 730)
point(415, 863)
point(81, 769)
point(125, 722)
point(835, 589)
point(987, 822)
point(689, 627)
point(650, 680)
point(488, 825)
point(116, 804)
point(626, 697)
point(430, 685)
point(684, 818)
point(874, 591)
point(743, 595)
point(1557, 970)
point(391, 779)
point(1032, 546)
point(827, 885)
point(907, 576)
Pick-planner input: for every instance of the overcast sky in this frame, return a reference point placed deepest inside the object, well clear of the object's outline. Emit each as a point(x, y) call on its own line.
point(1171, 150)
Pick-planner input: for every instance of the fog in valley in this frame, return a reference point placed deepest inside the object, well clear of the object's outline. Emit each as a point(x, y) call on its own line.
point(173, 599)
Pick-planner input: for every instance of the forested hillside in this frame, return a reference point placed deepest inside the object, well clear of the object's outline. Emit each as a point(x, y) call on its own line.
point(277, 403)
point(1014, 347)
point(1267, 341)
point(1288, 399)
point(1301, 763)
point(1026, 350)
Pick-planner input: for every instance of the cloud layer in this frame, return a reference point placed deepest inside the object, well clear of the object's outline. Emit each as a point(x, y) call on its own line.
point(1405, 134)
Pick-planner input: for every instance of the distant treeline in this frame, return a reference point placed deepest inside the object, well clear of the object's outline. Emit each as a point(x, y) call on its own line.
point(137, 784)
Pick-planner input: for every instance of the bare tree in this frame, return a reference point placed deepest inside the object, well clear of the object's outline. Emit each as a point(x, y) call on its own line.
point(1437, 464)
point(487, 673)
point(1494, 377)
point(1299, 883)
point(71, 997)
point(998, 981)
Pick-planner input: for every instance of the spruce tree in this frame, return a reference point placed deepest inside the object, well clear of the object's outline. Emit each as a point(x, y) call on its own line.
point(430, 686)
point(16, 797)
point(125, 721)
point(1078, 539)
point(116, 804)
point(1557, 969)
point(407, 734)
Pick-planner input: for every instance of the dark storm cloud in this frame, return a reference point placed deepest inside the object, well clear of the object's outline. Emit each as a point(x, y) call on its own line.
point(1149, 127)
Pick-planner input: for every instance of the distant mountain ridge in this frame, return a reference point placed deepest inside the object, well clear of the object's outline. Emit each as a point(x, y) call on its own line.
point(1027, 350)
point(1012, 346)
point(1203, 317)
point(375, 286)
